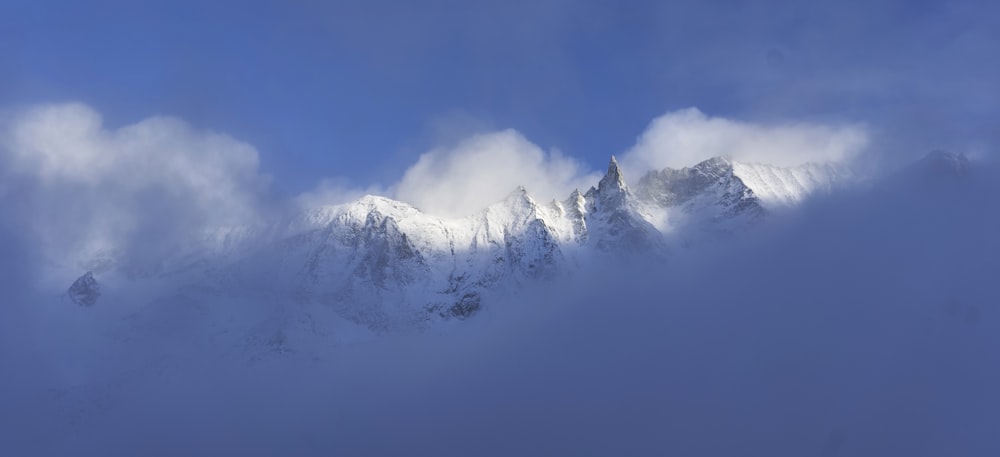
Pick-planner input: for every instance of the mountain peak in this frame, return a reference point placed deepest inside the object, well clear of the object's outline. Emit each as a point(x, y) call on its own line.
point(576, 203)
point(945, 163)
point(517, 200)
point(519, 194)
point(614, 180)
point(611, 192)
point(715, 162)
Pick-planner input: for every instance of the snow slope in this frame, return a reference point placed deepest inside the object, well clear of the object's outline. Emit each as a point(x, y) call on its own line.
point(386, 266)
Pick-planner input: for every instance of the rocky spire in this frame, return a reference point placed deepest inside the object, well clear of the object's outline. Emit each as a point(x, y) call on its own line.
point(611, 192)
point(614, 180)
point(577, 201)
point(576, 208)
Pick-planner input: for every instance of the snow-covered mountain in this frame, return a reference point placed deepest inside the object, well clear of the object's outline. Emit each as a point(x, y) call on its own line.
point(385, 265)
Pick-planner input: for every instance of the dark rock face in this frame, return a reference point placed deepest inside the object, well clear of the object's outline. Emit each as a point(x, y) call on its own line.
point(466, 306)
point(85, 290)
point(384, 256)
point(712, 179)
point(715, 176)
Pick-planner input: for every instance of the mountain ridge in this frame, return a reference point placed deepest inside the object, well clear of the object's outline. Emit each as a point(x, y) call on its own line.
point(386, 265)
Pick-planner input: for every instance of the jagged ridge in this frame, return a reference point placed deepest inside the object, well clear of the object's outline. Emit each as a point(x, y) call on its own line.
point(386, 265)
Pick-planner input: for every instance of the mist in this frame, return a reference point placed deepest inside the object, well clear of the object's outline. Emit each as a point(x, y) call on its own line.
point(80, 190)
point(862, 323)
point(350, 228)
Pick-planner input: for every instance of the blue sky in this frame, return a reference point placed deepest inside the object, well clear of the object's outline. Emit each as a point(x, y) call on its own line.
point(358, 90)
point(133, 135)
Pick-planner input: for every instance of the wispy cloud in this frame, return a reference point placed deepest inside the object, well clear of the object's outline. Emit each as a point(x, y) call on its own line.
point(334, 191)
point(682, 138)
point(819, 334)
point(471, 173)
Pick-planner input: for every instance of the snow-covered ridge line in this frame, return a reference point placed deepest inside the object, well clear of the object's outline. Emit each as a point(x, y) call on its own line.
point(777, 186)
point(385, 264)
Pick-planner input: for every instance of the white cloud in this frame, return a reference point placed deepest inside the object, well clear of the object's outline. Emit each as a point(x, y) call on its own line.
point(92, 187)
point(685, 137)
point(483, 169)
point(334, 191)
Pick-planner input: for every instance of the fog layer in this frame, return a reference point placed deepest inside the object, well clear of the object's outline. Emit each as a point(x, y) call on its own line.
point(864, 324)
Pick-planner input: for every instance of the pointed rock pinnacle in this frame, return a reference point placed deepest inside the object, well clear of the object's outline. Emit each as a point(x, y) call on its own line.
point(614, 179)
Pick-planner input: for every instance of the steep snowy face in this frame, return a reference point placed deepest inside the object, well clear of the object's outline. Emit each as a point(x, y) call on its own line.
point(614, 221)
point(511, 241)
point(573, 211)
point(720, 196)
point(375, 261)
point(385, 265)
point(708, 195)
point(781, 187)
point(530, 236)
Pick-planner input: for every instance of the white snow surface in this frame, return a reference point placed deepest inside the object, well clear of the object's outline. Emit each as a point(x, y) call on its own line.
point(777, 186)
point(385, 266)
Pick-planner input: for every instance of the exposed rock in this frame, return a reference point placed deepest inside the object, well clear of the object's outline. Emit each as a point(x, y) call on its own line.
point(85, 290)
point(466, 306)
point(710, 190)
point(386, 265)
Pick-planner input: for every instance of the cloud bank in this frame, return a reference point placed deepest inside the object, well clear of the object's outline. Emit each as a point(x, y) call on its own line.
point(865, 331)
point(483, 169)
point(682, 138)
point(85, 188)
point(334, 191)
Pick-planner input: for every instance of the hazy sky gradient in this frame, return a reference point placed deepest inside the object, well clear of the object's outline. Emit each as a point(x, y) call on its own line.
point(358, 90)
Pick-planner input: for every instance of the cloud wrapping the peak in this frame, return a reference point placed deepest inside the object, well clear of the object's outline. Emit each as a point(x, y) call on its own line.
point(483, 169)
point(334, 191)
point(685, 137)
point(148, 187)
point(144, 186)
